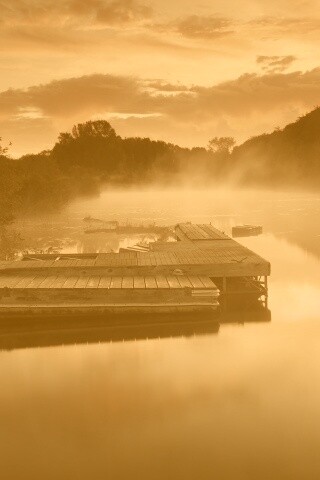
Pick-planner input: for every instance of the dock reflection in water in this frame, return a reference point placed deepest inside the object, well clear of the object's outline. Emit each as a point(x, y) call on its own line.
point(49, 332)
point(231, 403)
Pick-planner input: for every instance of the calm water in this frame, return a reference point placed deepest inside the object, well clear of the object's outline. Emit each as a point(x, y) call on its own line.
point(240, 403)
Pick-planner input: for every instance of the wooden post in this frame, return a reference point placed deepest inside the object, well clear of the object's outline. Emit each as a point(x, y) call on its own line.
point(224, 285)
point(224, 292)
point(266, 287)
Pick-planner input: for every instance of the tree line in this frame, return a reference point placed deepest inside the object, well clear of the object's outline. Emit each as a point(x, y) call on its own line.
point(92, 155)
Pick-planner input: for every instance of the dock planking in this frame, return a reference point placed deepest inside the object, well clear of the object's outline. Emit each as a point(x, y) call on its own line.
point(203, 251)
point(93, 281)
point(150, 282)
point(231, 260)
point(70, 282)
point(139, 282)
point(174, 274)
point(173, 282)
point(188, 231)
point(184, 282)
point(82, 282)
point(104, 282)
point(99, 282)
point(59, 281)
point(36, 282)
point(116, 282)
point(127, 282)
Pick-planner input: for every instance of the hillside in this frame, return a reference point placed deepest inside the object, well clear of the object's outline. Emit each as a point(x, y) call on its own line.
point(288, 157)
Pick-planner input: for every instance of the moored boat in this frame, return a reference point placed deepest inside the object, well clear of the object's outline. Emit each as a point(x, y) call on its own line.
point(246, 230)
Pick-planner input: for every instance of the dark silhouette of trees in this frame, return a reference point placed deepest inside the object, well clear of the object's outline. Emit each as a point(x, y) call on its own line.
point(92, 155)
point(93, 146)
point(94, 149)
point(288, 156)
point(98, 129)
point(221, 144)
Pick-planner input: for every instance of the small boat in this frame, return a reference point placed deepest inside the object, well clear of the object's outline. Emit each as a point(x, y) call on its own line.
point(246, 230)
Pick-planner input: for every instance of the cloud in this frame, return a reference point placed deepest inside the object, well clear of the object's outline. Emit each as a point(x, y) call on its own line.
point(242, 104)
point(73, 12)
point(66, 26)
point(110, 12)
point(287, 25)
point(196, 27)
point(203, 27)
point(275, 63)
point(109, 93)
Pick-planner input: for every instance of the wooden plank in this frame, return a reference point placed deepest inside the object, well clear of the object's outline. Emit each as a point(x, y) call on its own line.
point(199, 233)
point(116, 282)
point(162, 281)
point(70, 282)
point(47, 282)
point(7, 281)
point(184, 281)
point(214, 233)
point(196, 282)
point(18, 279)
point(19, 265)
point(127, 282)
point(82, 282)
point(204, 233)
point(207, 282)
point(36, 281)
point(93, 282)
point(62, 263)
point(104, 282)
point(47, 263)
point(150, 282)
point(173, 282)
point(25, 280)
point(139, 282)
point(59, 281)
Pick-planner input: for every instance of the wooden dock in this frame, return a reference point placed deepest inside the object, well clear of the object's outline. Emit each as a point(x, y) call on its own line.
point(183, 275)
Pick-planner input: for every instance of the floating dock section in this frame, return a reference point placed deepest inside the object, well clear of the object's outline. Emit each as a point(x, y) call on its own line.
point(185, 275)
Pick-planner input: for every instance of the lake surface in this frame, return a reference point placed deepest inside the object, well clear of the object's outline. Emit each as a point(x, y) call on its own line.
point(242, 402)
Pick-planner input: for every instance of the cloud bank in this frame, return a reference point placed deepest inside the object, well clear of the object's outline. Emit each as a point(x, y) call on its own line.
point(110, 93)
point(157, 106)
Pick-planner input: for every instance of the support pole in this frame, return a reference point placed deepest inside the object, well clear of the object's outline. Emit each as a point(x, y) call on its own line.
point(224, 291)
point(266, 287)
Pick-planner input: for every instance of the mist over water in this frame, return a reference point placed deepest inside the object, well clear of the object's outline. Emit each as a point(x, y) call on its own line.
point(241, 403)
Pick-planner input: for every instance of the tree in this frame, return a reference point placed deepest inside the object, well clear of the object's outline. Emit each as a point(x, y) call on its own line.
point(91, 129)
point(97, 128)
point(10, 242)
point(92, 146)
point(221, 144)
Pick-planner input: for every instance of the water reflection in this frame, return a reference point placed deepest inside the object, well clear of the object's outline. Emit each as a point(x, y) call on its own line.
point(241, 404)
point(20, 333)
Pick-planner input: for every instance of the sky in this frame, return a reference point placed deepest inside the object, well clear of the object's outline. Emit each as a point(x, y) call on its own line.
point(182, 71)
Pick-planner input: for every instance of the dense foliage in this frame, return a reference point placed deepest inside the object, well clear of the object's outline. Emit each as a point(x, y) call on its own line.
point(93, 155)
point(288, 157)
point(95, 150)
